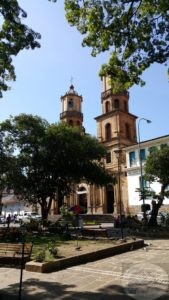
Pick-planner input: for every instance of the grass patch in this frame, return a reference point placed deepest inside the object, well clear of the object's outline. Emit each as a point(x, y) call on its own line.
point(52, 247)
point(46, 246)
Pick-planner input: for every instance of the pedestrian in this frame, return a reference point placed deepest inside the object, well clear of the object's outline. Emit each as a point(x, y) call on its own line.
point(8, 220)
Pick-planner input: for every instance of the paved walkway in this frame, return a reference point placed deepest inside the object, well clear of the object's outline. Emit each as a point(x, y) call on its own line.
point(140, 274)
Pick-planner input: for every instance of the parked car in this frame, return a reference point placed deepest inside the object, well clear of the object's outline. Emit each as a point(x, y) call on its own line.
point(2, 220)
point(140, 215)
point(28, 216)
point(161, 217)
point(34, 215)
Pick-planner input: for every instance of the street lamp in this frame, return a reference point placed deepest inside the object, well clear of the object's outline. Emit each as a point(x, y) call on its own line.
point(118, 155)
point(141, 165)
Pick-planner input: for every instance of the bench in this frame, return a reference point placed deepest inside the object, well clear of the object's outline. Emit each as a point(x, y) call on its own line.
point(11, 253)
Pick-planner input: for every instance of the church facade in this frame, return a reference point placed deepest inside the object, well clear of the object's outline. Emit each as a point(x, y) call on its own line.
point(116, 129)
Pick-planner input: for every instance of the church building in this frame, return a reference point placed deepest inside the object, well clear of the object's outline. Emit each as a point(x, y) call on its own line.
point(116, 129)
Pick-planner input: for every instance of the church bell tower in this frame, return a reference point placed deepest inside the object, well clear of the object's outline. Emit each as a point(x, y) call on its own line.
point(116, 129)
point(72, 108)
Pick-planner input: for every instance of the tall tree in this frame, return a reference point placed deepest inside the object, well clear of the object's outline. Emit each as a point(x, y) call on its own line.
point(49, 158)
point(7, 163)
point(14, 37)
point(136, 32)
point(157, 169)
point(23, 136)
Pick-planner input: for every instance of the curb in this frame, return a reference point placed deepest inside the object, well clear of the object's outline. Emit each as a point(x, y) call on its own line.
point(46, 267)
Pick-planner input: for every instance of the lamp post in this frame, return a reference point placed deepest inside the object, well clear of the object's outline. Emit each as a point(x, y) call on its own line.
point(140, 163)
point(118, 155)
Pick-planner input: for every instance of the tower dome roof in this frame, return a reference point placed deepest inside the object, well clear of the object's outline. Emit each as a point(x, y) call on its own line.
point(72, 90)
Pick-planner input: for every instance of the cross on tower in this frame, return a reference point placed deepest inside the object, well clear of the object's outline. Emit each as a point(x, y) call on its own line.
point(71, 80)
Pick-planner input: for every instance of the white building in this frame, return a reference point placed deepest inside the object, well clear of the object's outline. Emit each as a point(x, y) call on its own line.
point(134, 172)
point(11, 205)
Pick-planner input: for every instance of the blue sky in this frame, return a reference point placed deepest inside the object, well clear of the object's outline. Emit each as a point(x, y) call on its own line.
point(44, 75)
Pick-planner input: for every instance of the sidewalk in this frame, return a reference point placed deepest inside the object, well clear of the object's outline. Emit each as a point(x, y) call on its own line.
point(112, 278)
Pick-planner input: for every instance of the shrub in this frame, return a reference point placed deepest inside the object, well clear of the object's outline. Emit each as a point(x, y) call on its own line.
point(40, 255)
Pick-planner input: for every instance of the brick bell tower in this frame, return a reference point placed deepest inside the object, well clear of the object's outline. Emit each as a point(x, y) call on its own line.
point(116, 128)
point(72, 108)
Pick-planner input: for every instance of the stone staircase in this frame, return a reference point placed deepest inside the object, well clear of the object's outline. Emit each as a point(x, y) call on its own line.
point(98, 218)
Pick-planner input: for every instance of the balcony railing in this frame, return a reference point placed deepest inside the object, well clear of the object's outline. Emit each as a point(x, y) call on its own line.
point(73, 113)
point(109, 92)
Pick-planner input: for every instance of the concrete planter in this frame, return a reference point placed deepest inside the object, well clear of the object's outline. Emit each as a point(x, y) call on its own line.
point(62, 263)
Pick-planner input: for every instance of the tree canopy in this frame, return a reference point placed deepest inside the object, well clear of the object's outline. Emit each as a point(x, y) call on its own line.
point(136, 32)
point(7, 162)
point(14, 37)
point(50, 158)
point(157, 169)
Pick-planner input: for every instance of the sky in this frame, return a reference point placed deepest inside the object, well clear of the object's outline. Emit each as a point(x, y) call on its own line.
point(45, 74)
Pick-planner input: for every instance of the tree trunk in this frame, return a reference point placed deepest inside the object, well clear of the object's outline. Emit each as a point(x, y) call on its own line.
point(154, 213)
point(155, 207)
point(45, 208)
point(0, 202)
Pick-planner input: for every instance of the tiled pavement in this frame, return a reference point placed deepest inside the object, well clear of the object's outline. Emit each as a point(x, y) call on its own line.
point(140, 274)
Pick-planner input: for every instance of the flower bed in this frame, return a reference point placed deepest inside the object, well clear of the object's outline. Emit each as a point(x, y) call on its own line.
point(80, 258)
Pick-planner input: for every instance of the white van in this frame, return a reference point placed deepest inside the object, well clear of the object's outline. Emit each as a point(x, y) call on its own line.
point(27, 216)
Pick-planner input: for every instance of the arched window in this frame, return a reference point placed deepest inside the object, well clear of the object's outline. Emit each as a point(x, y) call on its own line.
point(116, 103)
point(70, 122)
point(128, 134)
point(125, 105)
point(70, 103)
point(108, 132)
point(107, 106)
point(82, 199)
point(108, 157)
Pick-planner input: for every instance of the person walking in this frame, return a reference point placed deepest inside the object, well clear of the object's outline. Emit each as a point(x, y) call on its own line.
point(8, 220)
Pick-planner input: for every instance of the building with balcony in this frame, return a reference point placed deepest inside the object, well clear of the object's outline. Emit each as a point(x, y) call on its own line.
point(133, 155)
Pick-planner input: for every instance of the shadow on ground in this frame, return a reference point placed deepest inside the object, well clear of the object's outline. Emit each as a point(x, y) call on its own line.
point(34, 289)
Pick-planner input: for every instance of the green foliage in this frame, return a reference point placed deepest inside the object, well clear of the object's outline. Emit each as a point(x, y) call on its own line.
point(33, 225)
point(49, 159)
point(157, 169)
point(66, 213)
point(145, 193)
point(157, 166)
point(7, 163)
point(40, 255)
point(75, 154)
point(14, 37)
point(53, 250)
point(46, 253)
point(134, 32)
